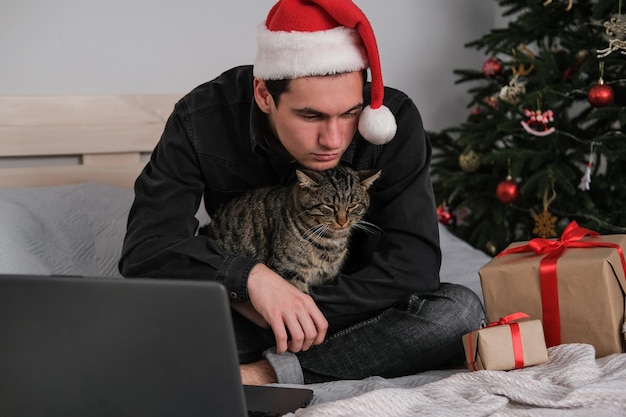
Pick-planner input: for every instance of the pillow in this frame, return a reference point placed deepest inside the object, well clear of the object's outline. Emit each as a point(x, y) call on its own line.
point(63, 230)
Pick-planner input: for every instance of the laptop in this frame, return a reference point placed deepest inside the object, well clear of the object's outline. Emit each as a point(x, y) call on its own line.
point(77, 346)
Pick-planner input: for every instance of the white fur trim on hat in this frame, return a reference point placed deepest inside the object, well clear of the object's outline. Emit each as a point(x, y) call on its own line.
point(288, 55)
point(377, 126)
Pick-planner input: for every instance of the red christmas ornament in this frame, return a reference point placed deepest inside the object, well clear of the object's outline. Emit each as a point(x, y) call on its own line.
point(600, 95)
point(492, 67)
point(507, 191)
point(444, 216)
point(537, 123)
point(492, 101)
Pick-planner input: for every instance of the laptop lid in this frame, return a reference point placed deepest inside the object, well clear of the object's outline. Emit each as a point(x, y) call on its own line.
point(72, 346)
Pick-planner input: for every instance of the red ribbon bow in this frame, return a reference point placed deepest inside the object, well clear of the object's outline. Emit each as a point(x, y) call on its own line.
point(509, 318)
point(569, 239)
point(553, 249)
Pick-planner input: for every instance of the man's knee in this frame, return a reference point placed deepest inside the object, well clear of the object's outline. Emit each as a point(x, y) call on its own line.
point(466, 303)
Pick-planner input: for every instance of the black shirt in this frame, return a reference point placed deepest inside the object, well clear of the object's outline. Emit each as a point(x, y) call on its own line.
point(215, 145)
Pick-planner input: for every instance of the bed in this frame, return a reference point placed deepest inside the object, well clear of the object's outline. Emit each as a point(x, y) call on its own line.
point(67, 165)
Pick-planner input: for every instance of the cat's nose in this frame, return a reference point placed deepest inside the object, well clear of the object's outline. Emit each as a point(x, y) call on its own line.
point(342, 220)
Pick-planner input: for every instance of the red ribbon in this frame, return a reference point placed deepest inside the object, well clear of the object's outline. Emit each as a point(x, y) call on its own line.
point(509, 318)
point(553, 249)
point(516, 336)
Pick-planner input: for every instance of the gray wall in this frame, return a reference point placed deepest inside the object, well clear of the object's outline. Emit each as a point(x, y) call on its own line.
point(75, 47)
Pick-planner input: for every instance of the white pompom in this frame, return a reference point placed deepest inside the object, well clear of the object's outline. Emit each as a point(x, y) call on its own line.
point(377, 126)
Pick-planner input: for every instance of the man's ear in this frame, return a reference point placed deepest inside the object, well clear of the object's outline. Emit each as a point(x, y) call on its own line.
point(262, 97)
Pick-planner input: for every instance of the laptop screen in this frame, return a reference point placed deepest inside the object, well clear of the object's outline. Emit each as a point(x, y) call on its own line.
point(116, 347)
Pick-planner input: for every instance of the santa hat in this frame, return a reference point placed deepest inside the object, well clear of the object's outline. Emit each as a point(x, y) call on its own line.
point(302, 38)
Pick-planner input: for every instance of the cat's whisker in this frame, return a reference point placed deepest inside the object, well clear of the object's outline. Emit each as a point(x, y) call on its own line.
point(367, 226)
point(316, 232)
point(321, 230)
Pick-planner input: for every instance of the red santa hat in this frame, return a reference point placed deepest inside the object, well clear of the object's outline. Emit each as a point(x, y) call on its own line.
point(302, 38)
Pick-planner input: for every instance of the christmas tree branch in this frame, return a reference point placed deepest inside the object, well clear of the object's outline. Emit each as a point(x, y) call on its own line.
point(606, 225)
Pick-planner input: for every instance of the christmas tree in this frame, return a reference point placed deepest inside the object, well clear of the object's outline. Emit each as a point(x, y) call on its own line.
point(543, 144)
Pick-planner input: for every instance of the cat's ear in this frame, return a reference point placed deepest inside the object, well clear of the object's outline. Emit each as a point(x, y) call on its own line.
point(368, 177)
point(305, 179)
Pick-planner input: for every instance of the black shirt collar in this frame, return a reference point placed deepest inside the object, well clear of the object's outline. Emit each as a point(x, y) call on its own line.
point(259, 127)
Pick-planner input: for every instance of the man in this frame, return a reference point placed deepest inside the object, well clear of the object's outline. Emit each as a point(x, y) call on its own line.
point(304, 104)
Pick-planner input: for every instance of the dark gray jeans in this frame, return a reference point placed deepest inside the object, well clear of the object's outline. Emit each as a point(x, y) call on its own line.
point(423, 333)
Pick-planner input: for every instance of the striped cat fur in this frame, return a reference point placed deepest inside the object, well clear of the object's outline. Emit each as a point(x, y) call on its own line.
point(300, 231)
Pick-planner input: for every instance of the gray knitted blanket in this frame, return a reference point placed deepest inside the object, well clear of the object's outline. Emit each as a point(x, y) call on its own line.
point(572, 383)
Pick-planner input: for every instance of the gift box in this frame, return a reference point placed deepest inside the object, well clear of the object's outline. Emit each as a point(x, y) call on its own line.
point(575, 284)
point(513, 342)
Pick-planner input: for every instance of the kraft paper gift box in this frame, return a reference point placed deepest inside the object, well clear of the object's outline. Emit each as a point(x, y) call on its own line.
point(574, 284)
point(513, 342)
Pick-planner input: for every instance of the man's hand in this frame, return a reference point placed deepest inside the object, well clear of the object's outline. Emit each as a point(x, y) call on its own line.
point(287, 310)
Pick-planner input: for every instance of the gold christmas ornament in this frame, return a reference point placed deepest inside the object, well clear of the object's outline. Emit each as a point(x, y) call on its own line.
point(544, 222)
point(521, 70)
point(469, 161)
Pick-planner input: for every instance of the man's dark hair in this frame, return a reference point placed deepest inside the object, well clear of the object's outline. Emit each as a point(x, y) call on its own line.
point(278, 87)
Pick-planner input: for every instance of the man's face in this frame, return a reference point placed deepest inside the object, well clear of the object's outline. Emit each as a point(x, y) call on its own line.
point(316, 117)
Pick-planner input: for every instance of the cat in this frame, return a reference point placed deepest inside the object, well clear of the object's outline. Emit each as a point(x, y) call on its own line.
point(299, 231)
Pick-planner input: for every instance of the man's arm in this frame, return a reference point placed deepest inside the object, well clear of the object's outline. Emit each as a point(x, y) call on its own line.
point(161, 242)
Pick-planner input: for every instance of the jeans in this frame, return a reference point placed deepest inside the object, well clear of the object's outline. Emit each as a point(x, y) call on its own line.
point(422, 333)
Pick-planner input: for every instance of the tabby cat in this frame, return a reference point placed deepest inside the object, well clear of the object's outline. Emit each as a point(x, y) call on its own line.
point(299, 231)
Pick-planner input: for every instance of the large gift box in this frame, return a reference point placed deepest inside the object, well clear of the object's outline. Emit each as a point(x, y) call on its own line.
point(575, 284)
point(513, 342)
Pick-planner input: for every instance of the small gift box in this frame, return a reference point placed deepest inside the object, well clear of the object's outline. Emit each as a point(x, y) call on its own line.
point(575, 285)
point(512, 342)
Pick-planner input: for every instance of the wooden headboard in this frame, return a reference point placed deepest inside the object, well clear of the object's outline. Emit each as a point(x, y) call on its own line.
point(55, 140)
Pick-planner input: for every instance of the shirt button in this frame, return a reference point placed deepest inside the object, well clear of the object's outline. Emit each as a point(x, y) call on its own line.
point(233, 295)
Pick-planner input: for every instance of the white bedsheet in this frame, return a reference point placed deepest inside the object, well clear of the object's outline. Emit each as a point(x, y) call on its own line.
point(572, 383)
